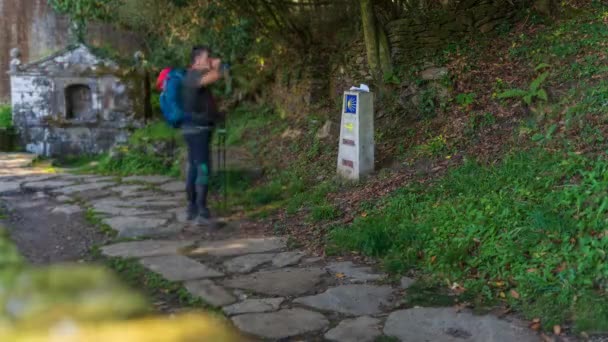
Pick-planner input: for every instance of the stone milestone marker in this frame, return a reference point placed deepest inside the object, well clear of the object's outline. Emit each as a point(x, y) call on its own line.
point(356, 152)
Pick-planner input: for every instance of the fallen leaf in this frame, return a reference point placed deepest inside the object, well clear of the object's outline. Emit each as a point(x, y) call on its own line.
point(364, 215)
point(535, 326)
point(557, 330)
point(502, 295)
point(340, 275)
point(514, 294)
point(433, 258)
point(531, 270)
point(500, 283)
point(536, 320)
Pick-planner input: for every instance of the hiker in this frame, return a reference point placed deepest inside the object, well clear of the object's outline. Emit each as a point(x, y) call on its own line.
point(200, 111)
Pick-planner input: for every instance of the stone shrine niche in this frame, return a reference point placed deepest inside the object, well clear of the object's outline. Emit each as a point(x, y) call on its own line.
point(71, 103)
point(79, 102)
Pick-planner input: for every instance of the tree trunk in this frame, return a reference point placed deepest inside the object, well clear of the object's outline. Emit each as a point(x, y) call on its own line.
point(371, 36)
point(384, 51)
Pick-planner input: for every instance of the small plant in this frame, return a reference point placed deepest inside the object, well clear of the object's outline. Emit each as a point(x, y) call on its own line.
point(466, 100)
point(433, 147)
point(532, 93)
point(6, 117)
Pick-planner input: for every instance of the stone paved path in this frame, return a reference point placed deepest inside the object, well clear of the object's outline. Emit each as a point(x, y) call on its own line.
point(268, 291)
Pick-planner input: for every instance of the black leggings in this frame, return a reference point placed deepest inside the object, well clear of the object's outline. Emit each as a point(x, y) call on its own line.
point(199, 164)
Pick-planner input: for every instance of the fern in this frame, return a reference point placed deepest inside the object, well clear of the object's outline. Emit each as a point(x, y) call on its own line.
point(511, 93)
point(534, 91)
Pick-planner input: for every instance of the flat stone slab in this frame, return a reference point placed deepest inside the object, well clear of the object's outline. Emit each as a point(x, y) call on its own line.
point(362, 329)
point(179, 268)
point(147, 248)
point(127, 190)
point(211, 293)
point(236, 247)
point(254, 306)
point(449, 325)
point(112, 209)
point(134, 226)
point(283, 282)
point(64, 199)
point(148, 179)
point(247, 263)
point(173, 187)
point(355, 273)
point(406, 282)
point(16, 160)
point(351, 299)
point(47, 185)
point(287, 259)
point(281, 324)
point(82, 188)
point(67, 210)
point(10, 186)
point(95, 179)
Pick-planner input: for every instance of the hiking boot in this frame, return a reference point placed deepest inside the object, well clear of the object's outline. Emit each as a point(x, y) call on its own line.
point(203, 218)
point(191, 212)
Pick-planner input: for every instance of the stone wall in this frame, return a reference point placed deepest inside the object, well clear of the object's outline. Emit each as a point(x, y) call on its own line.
point(422, 35)
point(33, 27)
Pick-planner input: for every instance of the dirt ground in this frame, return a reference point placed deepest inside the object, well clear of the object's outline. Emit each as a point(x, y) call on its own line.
point(44, 237)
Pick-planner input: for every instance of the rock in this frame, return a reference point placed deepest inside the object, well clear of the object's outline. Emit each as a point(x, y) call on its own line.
point(46, 185)
point(325, 131)
point(147, 248)
point(134, 226)
point(449, 324)
point(67, 210)
point(128, 190)
point(82, 188)
point(97, 179)
point(284, 282)
point(173, 187)
point(287, 259)
point(351, 299)
point(64, 199)
point(406, 282)
point(254, 306)
point(111, 209)
point(211, 293)
point(362, 329)
point(291, 134)
point(313, 260)
point(281, 324)
point(148, 179)
point(434, 73)
point(246, 263)
point(179, 268)
point(234, 247)
point(16, 160)
point(8, 187)
point(357, 274)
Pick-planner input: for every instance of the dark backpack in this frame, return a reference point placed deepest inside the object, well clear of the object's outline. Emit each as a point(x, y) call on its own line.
point(170, 98)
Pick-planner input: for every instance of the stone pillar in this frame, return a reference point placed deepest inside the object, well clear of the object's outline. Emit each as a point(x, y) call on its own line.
point(356, 149)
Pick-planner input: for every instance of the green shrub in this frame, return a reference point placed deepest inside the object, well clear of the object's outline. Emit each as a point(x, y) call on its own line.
point(6, 116)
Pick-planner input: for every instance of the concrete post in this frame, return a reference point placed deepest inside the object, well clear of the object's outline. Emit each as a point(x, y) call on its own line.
point(356, 149)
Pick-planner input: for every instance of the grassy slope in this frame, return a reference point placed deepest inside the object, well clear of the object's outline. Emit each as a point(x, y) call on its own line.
point(529, 230)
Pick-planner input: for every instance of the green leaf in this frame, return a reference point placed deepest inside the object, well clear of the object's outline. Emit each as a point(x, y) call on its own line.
point(535, 85)
point(538, 137)
point(528, 99)
point(511, 93)
point(542, 66)
point(542, 94)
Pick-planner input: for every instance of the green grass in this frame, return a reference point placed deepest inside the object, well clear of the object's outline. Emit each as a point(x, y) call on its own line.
point(136, 275)
point(533, 222)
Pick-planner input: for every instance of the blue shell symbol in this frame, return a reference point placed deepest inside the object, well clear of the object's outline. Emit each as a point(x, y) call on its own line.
point(351, 104)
